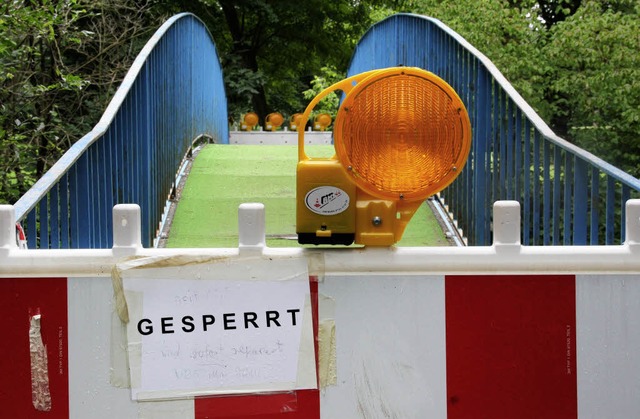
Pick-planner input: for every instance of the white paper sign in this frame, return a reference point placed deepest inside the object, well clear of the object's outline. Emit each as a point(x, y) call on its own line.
point(219, 328)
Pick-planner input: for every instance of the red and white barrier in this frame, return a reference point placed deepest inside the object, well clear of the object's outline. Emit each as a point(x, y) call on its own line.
point(502, 331)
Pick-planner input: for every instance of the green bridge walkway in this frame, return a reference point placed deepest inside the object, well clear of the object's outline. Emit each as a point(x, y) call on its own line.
point(224, 176)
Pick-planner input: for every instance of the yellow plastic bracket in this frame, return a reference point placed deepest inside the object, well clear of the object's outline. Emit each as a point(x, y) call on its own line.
point(345, 85)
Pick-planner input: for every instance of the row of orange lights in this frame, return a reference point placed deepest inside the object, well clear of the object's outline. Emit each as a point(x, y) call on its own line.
point(274, 120)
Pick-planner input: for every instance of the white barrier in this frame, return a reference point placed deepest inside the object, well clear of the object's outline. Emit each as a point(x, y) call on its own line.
point(498, 331)
point(279, 137)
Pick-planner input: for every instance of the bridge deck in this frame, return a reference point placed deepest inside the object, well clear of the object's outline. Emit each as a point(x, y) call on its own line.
point(224, 176)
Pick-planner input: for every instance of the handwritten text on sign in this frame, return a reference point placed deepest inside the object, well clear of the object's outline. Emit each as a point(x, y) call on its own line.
point(217, 336)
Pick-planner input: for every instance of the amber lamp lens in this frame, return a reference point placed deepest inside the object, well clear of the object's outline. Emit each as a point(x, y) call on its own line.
point(251, 118)
point(402, 134)
point(275, 119)
point(323, 119)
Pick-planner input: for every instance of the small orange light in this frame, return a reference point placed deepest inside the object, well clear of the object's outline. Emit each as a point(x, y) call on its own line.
point(402, 134)
point(294, 121)
point(273, 121)
point(322, 121)
point(249, 120)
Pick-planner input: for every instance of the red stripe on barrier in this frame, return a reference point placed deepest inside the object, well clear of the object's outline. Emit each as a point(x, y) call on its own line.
point(20, 299)
point(511, 347)
point(300, 404)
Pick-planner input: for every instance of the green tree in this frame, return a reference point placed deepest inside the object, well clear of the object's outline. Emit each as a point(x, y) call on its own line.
point(329, 104)
point(595, 81)
point(272, 49)
point(60, 62)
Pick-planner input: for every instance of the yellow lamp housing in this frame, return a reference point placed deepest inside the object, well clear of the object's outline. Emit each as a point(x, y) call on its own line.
point(273, 121)
point(401, 135)
point(249, 121)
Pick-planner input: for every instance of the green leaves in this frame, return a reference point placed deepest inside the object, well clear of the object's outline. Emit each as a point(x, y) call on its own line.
point(60, 61)
point(594, 54)
point(329, 104)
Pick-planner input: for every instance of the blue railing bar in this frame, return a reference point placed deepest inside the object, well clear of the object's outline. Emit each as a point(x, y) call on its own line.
point(595, 209)
point(526, 213)
point(72, 175)
point(625, 196)
point(100, 180)
point(580, 200)
point(511, 156)
point(568, 198)
point(85, 232)
point(54, 205)
point(64, 216)
point(493, 171)
point(610, 210)
point(28, 201)
point(536, 188)
point(44, 209)
point(499, 143)
point(557, 173)
point(480, 189)
point(518, 154)
point(31, 224)
point(546, 193)
point(535, 119)
point(91, 197)
point(143, 164)
point(109, 195)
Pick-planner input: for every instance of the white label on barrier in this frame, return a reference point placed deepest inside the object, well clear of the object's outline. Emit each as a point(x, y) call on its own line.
point(217, 329)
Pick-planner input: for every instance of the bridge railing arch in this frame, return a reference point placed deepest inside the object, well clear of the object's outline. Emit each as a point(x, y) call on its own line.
point(172, 95)
point(568, 195)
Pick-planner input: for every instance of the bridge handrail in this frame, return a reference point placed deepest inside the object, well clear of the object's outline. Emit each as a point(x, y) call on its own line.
point(531, 114)
point(135, 104)
point(28, 201)
point(508, 137)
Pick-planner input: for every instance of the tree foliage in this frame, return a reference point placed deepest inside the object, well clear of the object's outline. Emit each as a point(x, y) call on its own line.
point(329, 104)
point(595, 82)
point(60, 62)
point(272, 49)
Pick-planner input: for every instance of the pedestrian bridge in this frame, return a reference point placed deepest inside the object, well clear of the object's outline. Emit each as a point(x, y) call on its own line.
point(534, 319)
point(173, 97)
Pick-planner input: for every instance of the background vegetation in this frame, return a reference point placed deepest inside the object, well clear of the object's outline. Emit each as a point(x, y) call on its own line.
point(577, 62)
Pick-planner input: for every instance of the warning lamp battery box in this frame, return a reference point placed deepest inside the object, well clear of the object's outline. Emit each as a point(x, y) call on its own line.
point(325, 203)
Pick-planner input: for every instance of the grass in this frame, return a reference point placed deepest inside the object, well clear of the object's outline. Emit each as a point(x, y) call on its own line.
point(224, 176)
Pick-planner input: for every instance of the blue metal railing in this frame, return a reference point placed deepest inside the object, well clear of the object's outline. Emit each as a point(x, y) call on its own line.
point(172, 95)
point(568, 196)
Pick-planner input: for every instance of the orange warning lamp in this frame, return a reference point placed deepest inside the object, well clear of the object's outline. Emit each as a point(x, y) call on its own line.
point(249, 121)
point(294, 121)
point(322, 121)
point(401, 135)
point(273, 121)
